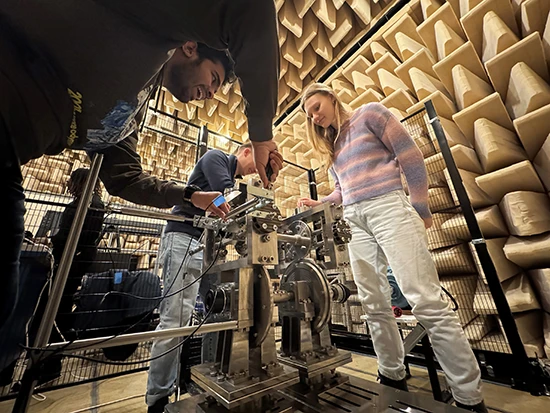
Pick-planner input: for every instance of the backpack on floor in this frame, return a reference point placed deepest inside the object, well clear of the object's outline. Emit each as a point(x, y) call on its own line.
point(101, 312)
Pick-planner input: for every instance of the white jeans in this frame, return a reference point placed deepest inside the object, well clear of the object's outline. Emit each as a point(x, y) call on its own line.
point(175, 311)
point(388, 230)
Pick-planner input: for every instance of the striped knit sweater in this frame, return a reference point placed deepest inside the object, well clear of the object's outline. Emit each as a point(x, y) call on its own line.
point(368, 155)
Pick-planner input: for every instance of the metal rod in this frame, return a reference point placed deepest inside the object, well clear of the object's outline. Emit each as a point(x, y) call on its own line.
point(202, 143)
point(293, 239)
point(47, 321)
point(135, 212)
point(243, 207)
point(282, 296)
point(123, 339)
point(312, 184)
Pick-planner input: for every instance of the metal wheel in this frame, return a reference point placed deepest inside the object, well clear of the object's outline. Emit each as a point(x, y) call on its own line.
point(263, 307)
point(307, 270)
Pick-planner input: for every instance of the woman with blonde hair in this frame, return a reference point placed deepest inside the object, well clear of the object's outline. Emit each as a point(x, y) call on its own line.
point(366, 150)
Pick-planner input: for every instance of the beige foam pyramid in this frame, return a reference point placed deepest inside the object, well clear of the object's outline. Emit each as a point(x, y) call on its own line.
point(529, 252)
point(399, 114)
point(533, 129)
point(368, 96)
point(496, 147)
point(527, 91)
point(405, 24)
point(422, 60)
point(490, 107)
point(325, 12)
point(360, 64)
point(447, 40)
point(466, 5)
point(321, 44)
point(344, 24)
point(466, 56)
point(506, 269)
point(362, 82)
point(429, 7)
point(443, 105)
point(534, 15)
point(520, 176)
point(546, 41)
point(388, 62)
point(496, 36)
point(424, 84)
point(293, 79)
point(290, 52)
point(427, 29)
point(344, 90)
point(472, 22)
point(364, 9)
point(283, 34)
point(284, 92)
point(309, 61)
point(399, 99)
point(528, 50)
point(453, 134)
point(491, 223)
point(542, 163)
point(390, 83)
point(477, 196)
point(289, 19)
point(468, 88)
point(310, 27)
point(407, 46)
point(378, 50)
point(526, 213)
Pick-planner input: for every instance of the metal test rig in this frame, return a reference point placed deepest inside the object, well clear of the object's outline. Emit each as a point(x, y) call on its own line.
point(281, 275)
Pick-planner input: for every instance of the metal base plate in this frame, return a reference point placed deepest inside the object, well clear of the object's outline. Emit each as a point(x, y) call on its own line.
point(352, 396)
point(231, 395)
point(310, 370)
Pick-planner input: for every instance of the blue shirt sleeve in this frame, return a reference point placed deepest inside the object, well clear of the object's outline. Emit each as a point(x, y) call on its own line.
point(215, 168)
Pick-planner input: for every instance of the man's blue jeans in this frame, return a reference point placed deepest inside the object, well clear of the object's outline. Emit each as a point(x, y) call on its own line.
point(179, 270)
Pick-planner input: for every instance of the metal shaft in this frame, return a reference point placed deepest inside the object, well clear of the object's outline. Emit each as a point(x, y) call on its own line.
point(282, 296)
point(132, 338)
point(242, 207)
point(293, 239)
point(150, 214)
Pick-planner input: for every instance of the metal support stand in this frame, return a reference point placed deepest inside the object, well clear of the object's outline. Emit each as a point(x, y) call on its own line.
point(46, 323)
point(530, 377)
point(312, 184)
point(432, 370)
point(202, 143)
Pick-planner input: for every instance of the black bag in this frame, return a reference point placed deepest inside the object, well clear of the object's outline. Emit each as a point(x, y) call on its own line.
point(99, 314)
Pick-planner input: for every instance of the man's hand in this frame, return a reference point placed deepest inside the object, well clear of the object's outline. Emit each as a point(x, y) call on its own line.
point(427, 222)
point(205, 201)
point(265, 152)
point(308, 202)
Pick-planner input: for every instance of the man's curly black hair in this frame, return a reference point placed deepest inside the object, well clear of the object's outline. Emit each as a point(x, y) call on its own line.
point(220, 56)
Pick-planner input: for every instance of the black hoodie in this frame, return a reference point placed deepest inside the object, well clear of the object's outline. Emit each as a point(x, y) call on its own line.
point(75, 68)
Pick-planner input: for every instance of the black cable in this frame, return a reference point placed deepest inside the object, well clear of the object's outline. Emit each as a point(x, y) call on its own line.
point(129, 363)
point(59, 350)
point(451, 297)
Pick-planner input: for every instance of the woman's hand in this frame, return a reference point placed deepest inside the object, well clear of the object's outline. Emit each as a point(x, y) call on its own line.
point(427, 222)
point(308, 202)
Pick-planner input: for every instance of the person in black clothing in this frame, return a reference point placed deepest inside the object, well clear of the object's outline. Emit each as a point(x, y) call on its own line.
point(84, 256)
point(76, 72)
point(86, 249)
